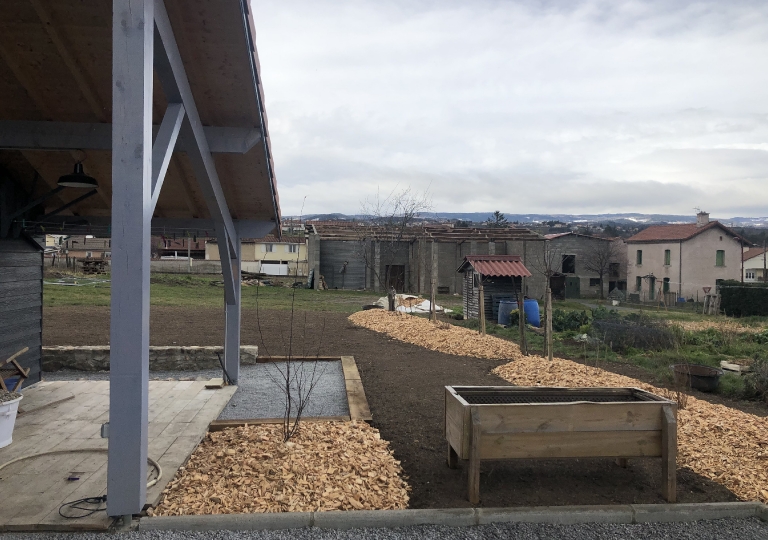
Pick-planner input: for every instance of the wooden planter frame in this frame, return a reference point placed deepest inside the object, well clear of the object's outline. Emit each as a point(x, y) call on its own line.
point(646, 426)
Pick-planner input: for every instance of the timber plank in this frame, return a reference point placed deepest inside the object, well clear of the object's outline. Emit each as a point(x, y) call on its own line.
point(576, 444)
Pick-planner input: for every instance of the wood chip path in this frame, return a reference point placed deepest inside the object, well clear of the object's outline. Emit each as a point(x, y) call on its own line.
point(721, 325)
point(326, 466)
point(440, 337)
point(725, 445)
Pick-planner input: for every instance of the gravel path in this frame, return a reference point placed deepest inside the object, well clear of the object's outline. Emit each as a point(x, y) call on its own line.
point(743, 529)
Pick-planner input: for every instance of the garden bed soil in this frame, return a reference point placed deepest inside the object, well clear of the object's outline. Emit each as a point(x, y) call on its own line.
point(404, 385)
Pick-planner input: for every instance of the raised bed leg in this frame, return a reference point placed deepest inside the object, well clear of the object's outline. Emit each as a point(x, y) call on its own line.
point(474, 462)
point(669, 454)
point(622, 462)
point(453, 457)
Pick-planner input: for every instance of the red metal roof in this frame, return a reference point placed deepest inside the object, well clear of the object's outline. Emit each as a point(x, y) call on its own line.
point(496, 265)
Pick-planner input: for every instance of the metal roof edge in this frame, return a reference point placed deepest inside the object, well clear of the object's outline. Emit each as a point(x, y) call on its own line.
point(249, 28)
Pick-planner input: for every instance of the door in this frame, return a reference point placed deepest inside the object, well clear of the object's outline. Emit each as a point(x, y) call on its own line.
point(572, 287)
point(396, 277)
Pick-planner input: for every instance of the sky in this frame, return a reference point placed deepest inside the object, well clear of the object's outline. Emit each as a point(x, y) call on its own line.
point(519, 106)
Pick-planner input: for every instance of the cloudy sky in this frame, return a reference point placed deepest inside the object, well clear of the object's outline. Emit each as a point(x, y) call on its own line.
point(521, 106)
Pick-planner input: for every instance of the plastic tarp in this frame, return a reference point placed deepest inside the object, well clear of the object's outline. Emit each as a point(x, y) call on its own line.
point(407, 303)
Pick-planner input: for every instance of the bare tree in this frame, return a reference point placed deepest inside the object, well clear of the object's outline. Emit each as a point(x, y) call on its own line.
point(599, 257)
point(388, 224)
point(548, 263)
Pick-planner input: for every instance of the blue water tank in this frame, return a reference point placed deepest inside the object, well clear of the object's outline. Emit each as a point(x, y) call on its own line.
point(531, 308)
point(505, 308)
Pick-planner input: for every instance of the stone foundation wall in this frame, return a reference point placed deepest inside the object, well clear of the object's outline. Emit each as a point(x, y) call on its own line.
point(160, 358)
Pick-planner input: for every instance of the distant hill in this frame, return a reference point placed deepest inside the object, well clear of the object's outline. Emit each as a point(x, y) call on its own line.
point(628, 218)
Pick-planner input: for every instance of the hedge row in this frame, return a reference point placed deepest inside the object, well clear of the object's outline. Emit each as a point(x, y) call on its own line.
point(743, 299)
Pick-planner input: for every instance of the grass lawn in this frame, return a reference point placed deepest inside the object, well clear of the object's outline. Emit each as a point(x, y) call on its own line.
point(208, 291)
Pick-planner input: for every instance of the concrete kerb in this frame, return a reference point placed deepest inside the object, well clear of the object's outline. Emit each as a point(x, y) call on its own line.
point(461, 517)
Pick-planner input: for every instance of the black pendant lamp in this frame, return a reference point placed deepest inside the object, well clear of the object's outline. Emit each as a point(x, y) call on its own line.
point(78, 179)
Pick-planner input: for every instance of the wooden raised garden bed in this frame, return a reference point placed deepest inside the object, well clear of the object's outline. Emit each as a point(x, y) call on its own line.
point(512, 422)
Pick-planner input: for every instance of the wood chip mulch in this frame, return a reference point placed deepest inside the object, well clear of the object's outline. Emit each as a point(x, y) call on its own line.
point(717, 442)
point(437, 336)
point(325, 466)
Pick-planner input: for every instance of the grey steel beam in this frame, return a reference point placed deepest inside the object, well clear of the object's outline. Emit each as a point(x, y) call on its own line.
point(173, 78)
point(162, 150)
point(230, 270)
point(34, 135)
point(132, 80)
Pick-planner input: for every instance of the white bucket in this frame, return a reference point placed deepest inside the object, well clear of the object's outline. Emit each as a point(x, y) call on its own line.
point(8, 412)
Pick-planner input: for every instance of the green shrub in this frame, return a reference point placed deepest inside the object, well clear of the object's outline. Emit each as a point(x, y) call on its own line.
point(600, 313)
point(743, 299)
point(563, 321)
point(756, 382)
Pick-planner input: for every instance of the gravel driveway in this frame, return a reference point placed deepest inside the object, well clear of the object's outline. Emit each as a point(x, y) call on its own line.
point(743, 529)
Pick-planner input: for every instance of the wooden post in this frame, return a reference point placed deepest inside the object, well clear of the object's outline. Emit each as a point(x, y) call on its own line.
point(549, 337)
point(432, 310)
point(481, 306)
point(473, 487)
point(453, 457)
point(669, 454)
point(521, 318)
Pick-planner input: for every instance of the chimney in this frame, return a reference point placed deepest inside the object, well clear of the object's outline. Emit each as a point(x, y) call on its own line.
point(702, 218)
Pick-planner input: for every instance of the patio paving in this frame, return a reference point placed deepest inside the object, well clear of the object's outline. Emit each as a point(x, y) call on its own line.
point(33, 490)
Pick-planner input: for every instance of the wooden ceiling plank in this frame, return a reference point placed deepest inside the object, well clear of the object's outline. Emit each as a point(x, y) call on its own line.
point(30, 88)
point(85, 85)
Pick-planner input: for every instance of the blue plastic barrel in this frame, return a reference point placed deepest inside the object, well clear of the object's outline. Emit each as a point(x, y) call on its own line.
point(505, 308)
point(531, 308)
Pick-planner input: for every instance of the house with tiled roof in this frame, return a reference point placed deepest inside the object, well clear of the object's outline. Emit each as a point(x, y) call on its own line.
point(682, 259)
point(755, 264)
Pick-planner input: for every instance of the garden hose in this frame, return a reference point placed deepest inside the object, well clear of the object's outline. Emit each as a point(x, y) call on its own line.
point(151, 461)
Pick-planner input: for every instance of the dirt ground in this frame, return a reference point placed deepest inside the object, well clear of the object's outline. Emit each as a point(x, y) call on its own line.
point(404, 386)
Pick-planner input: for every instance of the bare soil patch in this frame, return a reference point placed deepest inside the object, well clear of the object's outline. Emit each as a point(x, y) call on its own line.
point(404, 385)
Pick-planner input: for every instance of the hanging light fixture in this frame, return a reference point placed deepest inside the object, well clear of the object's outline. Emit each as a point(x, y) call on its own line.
point(78, 179)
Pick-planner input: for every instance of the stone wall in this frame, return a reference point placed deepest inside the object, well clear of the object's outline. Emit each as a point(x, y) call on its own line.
point(160, 358)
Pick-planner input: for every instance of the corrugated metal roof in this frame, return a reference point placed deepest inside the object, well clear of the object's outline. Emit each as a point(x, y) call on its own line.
point(496, 265)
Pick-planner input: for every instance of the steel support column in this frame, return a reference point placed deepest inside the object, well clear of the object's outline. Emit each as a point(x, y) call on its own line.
point(232, 312)
point(132, 54)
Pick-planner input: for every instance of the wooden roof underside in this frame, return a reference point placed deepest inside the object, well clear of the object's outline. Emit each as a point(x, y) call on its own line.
point(56, 65)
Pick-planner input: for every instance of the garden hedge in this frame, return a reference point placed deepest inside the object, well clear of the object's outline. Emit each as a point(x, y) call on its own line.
point(743, 299)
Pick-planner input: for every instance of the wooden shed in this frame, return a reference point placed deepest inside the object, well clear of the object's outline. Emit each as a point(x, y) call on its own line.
point(501, 277)
point(21, 303)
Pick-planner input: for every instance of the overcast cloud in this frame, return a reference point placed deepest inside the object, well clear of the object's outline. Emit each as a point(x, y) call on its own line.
point(561, 107)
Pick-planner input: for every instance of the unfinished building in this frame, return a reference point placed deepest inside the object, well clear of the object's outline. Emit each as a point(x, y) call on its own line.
point(371, 258)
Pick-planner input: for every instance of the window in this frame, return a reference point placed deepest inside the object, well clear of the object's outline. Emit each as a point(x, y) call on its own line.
point(638, 283)
point(666, 285)
point(667, 257)
point(613, 270)
point(88, 254)
point(269, 248)
point(569, 264)
point(750, 274)
point(720, 258)
point(594, 282)
point(651, 288)
point(293, 248)
point(639, 257)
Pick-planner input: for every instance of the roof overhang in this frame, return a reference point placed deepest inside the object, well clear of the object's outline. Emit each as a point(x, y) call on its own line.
point(56, 101)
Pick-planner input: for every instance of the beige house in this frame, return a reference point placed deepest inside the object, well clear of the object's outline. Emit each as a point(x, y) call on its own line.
point(284, 257)
point(682, 259)
point(755, 265)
